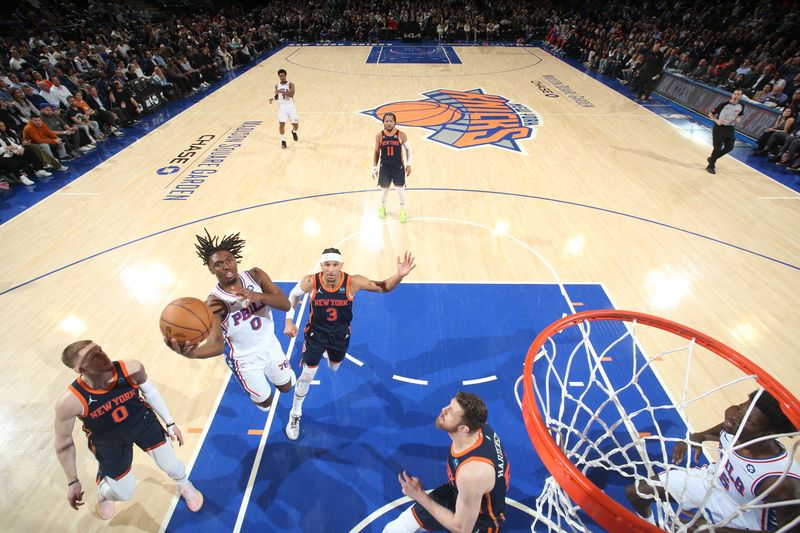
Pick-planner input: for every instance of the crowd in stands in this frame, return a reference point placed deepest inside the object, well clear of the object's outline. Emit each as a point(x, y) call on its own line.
point(70, 75)
point(70, 72)
point(749, 45)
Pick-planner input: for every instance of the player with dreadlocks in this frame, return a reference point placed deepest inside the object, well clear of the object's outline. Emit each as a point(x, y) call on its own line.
point(243, 320)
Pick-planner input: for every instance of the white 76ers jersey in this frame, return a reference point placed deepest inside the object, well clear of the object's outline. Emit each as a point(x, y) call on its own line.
point(247, 329)
point(741, 475)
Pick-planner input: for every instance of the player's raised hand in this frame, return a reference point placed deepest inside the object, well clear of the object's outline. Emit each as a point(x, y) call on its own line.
point(411, 485)
point(679, 451)
point(406, 265)
point(186, 349)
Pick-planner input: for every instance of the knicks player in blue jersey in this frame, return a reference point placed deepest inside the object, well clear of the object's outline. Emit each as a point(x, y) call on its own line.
point(243, 328)
point(328, 327)
point(757, 486)
point(118, 406)
point(474, 497)
point(388, 145)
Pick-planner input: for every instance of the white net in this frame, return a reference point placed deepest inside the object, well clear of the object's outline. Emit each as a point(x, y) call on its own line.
point(604, 400)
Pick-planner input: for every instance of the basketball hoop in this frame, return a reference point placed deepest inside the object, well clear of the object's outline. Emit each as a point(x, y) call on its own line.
point(573, 410)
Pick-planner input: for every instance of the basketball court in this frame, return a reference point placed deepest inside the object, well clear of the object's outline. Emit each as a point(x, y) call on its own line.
point(537, 191)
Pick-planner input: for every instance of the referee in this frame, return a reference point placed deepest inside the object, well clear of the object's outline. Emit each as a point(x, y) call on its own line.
point(725, 116)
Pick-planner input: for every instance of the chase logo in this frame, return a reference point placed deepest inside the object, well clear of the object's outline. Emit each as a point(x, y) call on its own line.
point(465, 119)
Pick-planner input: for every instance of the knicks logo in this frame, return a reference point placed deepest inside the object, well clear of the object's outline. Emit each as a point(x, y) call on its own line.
point(465, 119)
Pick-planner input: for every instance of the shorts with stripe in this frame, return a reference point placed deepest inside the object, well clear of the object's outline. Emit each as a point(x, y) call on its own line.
point(115, 453)
point(316, 343)
point(256, 371)
point(445, 496)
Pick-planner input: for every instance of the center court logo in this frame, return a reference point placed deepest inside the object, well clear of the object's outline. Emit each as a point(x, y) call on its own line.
point(465, 119)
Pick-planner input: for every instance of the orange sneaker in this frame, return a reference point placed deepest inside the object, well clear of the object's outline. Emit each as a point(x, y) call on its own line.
point(192, 497)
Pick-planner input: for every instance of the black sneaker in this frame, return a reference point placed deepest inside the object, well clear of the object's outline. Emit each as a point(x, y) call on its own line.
point(294, 135)
point(711, 170)
point(283, 145)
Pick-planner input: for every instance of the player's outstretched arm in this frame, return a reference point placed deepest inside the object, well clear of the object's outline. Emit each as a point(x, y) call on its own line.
point(303, 287)
point(68, 407)
point(271, 294)
point(696, 440)
point(153, 397)
point(404, 267)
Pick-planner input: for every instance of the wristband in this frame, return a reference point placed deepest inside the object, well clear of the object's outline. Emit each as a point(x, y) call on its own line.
point(73, 482)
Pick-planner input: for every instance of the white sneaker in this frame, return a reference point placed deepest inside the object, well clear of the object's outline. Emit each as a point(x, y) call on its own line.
point(25, 180)
point(43, 173)
point(293, 427)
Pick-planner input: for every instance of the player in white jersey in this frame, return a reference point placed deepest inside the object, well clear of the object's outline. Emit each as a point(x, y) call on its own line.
point(243, 320)
point(725, 491)
point(284, 95)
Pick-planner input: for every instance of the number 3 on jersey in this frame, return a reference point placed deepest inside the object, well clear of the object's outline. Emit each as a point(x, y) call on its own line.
point(332, 314)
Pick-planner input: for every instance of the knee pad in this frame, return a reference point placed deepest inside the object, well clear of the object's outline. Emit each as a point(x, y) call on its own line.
point(304, 381)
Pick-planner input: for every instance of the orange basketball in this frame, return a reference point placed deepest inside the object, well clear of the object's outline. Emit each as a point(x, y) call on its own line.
point(186, 320)
point(420, 113)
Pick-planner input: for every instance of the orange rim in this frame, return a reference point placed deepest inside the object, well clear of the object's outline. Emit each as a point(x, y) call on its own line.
point(604, 510)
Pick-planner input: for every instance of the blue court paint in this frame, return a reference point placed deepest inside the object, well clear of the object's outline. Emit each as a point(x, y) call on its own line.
point(406, 54)
point(360, 427)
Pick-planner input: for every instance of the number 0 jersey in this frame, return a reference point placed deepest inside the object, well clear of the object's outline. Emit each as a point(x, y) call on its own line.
point(331, 310)
point(248, 329)
point(109, 412)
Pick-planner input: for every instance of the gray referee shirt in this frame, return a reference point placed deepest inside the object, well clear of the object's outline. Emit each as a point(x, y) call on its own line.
point(727, 113)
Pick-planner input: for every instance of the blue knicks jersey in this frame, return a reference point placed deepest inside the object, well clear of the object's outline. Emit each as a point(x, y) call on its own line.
point(486, 449)
point(391, 147)
point(107, 412)
point(331, 310)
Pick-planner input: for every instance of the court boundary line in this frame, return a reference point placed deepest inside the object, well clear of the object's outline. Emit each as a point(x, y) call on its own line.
point(180, 106)
point(288, 59)
point(417, 189)
point(237, 527)
point(196, 452)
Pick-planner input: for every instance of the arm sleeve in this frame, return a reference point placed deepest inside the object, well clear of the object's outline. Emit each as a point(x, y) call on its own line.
point(295, 296)
point(407, 147)
point(156, 401)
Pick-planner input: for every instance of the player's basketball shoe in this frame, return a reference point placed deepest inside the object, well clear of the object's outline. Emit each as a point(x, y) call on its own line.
point(293, 427)
point(403, 216)
point(382, 212)
point(104, 507)
point(294, 135)
point(192, 497)
point(283, 145)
